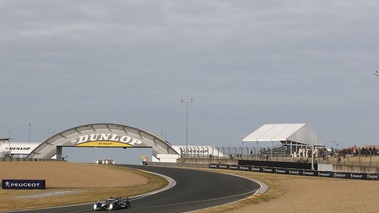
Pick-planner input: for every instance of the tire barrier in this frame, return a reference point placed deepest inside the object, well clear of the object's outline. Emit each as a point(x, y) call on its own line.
point(303, 172)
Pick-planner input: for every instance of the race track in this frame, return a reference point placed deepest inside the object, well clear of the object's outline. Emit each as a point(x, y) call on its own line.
point(193, 190)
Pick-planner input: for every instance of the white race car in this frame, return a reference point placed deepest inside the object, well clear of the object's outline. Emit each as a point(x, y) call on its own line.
point(112, 204)
point(106, 161)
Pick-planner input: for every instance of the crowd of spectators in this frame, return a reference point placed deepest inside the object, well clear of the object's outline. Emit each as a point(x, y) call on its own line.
point(356, 151)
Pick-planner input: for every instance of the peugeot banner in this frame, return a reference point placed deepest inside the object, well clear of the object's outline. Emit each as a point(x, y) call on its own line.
point(23, 184)
point(329, 174)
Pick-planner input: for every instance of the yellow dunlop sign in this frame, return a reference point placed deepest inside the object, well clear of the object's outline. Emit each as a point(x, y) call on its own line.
point(106, 140)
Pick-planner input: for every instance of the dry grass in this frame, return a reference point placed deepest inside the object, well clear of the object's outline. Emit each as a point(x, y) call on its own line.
point(87, 183)
point(292, 193)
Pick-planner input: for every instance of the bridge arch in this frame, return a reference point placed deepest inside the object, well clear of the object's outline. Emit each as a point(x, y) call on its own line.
point(101, 135)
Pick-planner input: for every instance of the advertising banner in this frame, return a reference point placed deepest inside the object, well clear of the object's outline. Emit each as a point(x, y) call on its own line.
point(373, 176)
point(269, 170)
point(211, 165)
point(105, 140)
point(224, 166)
point(282, 171)
point(358, 176)
point(295, 172)
point(234, 167)
point(245, 168)
point(329, 174)
point(341, 175)
point(23, 184)
point(326, 174)
point(256, 169)
point(310, 173)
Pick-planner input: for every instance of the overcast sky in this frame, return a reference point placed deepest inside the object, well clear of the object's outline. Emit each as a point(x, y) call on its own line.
point(245, 63)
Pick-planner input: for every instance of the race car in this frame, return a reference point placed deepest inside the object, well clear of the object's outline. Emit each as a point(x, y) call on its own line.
point(112, 204)
point(106, 161)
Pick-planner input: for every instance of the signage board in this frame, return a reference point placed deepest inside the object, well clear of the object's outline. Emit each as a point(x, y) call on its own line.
point(105, 140)
point(23, 184)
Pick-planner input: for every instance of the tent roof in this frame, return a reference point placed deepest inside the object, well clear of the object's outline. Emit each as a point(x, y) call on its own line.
point(299, 133)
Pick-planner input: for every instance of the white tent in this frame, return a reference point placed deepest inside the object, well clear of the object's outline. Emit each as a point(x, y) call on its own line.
point(299, 133)
point(289, 134)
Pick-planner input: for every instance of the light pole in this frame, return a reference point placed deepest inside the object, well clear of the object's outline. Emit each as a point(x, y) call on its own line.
point(187, 102)
point(9, 140)
point(242, 146)
point(163, 136)
point(337, 144)
point(30, 124)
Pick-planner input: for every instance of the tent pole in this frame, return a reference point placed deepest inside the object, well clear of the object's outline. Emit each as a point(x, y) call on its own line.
point(291, 150)
point(271, 148)
point(256, 153)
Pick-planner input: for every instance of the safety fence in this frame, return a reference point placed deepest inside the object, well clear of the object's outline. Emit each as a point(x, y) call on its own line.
point(303, 172)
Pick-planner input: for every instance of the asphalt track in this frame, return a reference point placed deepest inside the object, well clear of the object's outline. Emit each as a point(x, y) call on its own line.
point(194, 190)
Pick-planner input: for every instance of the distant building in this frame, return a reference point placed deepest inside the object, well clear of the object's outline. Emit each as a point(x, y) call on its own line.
point(191, 152)
point(16, 149)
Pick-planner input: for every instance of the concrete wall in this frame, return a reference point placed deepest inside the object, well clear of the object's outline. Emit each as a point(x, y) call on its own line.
point(355, 169)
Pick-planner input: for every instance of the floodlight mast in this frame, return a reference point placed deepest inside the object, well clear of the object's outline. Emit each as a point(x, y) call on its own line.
point(30, 124)
point(187, 102)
